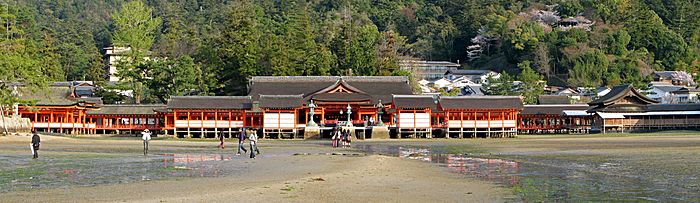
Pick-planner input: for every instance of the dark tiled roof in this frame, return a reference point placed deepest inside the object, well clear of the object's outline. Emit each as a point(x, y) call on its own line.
point(427, 63)
point(481, 102)
point(378, 87)
point(94, 101)
point(281, 101)
point(127, 109)
point(414, 101)
point(48, 96)
point(619, 108)
point(673, 107)
point(467, 72)
point(673, 89)
point(209, 102)
point(551, 109)
point(341, 96)
point(669, 75)
point(84, 91)
point(553, 99)
point(619, 92)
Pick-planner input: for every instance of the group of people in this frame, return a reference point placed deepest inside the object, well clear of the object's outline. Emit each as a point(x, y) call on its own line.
point(252, 137)
point(246, 133)
point(341, 138)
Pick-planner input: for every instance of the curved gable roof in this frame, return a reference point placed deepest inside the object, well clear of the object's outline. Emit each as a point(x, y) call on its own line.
point(376, 87)
point(620, 92)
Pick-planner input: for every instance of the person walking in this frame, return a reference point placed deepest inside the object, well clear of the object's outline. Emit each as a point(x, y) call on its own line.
point(241, 141)
point(221, 139)
point(253, 138)
point(36, 142)
point(344, 138)
point(146, 136)
point(334, 139)
point(257, 149)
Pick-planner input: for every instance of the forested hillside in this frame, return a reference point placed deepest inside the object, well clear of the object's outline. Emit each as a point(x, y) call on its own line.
point(212, 47)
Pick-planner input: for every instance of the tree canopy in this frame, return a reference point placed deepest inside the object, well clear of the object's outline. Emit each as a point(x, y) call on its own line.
point(221, 44)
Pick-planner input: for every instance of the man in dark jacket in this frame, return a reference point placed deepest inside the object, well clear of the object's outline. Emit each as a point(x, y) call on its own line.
point(241, 140)
point(222, 139)
point(36, 141)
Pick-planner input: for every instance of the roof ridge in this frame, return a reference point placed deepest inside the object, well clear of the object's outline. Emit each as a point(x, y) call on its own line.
point(412, 95)
point(480, 97)
point(282, 95)
point(208, 97)
point(327, 78)
point(555, 105)
point(133, 105)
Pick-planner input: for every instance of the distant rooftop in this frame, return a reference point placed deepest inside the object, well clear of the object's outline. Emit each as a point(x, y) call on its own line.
point(467, 72)
point(427, 63)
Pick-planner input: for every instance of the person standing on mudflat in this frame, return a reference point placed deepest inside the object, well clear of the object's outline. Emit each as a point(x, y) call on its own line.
point(146, 136)
point(253, 137)
point(36, 141)
point(241, 141)
point(221, 139)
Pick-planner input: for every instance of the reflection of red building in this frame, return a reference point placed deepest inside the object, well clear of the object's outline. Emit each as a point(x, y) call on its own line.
point(191, 164)
point(498, 170)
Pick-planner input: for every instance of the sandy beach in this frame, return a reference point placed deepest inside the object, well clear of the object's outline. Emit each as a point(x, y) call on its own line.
point(276, 176)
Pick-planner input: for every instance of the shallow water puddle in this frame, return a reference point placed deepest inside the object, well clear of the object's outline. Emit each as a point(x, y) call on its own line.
point(190, 165)
point(20, 173)
point(541, 179)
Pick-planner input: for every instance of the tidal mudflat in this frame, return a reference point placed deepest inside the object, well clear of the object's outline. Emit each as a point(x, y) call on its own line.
point(560, 168)
point(570, 168)
point(89, 170)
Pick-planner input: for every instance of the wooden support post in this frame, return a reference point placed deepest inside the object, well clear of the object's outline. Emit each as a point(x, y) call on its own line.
point(189, 132)
point(202, 133)
point(488, 113)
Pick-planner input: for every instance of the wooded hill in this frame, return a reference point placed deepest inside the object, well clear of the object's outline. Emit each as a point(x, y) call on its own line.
point(213, 46)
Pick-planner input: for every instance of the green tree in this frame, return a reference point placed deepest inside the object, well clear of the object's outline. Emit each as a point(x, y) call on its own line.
point(177, 77)
point(453, 92)
point(237, 47)
point(569, 8)
point(31, 62)
point(588, 69)
point(502, 85)
point(135, 28)
point(532, 86)
point(391, 47)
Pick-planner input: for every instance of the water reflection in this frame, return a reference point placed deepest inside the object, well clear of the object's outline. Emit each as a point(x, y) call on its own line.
point(495, 170)
point(537, 179)
point(193, 165)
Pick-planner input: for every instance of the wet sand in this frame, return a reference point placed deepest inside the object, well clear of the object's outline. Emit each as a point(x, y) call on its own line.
point(277, 176)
